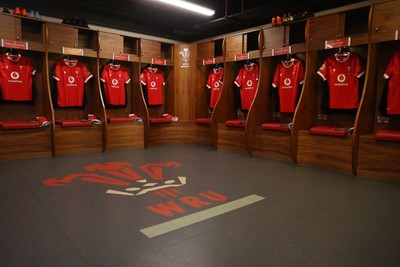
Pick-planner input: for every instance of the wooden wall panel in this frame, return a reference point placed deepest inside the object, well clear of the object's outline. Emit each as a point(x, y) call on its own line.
point(181, 132)
point(231, 138)
point(379, 159)
point(325, 151)
point(185, 89)
point(272, 144)
point(19, 144)
point(125, 135)
point(76, 140)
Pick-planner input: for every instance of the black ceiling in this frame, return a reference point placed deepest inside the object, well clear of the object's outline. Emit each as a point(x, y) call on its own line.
point(152, 18)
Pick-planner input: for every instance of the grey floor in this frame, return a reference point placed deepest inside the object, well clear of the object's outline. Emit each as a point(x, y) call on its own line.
point(56, 212)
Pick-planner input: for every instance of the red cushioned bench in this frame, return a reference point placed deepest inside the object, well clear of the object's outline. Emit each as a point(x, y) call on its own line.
point(74, 123)
point(160, 120)
point(387, 135)
point(275, 126)
point(125, 119)
point(203, 120)
point(236, 123)
point(15, 125)
point(329, 130)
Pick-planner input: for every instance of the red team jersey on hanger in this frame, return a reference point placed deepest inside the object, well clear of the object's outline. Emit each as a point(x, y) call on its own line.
point(342, 74)
point(214, 83)
point(288, 76)
point(114, 78)
point(16, 77)
point(153, 79)
point(71, 77)
point(392, 73)
point(247, 81)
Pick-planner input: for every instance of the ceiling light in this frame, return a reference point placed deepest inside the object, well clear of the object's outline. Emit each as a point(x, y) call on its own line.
point(190, 6)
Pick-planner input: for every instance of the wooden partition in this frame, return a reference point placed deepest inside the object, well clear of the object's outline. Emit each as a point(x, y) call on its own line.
point(80, 44)
point(26, 143)
point(123, 51)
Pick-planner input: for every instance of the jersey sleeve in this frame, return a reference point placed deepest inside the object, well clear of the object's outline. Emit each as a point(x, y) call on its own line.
point(238, 81)
point(390, 68)
point(57, 72)
point(86, 74)
point(103, 75)
point(301, 73)
point(275, 82)
point(359, 68)
point(209, 80)
point(125, 76)
point(143, 78)
point(323, 71)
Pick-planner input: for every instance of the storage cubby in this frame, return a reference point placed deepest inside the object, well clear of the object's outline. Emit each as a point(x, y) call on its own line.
point(16, 28)
point(123, 128)
point(62, 37)
point(242, 44)
point(74, 132)
point(323, 149)
point(21, 133)
point(270, 134)
point(224, 134)
point(292, 35)
point(378, 158)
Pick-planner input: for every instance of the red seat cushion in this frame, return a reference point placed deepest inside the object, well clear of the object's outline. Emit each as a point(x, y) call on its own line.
point(15, 125)
point(387, 135)
point(160, 120)
point(329, 130)
point(275, 126)
point(74, 123)
point(236, 123)
point(125, 119)
point(203, 120)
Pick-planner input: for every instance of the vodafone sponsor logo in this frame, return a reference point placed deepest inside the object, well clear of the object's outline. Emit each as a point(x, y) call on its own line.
point(287, 82)
point(114, 83)
point(249, 85)
point(153, 85)
point(71, 81)
point(341, 78)
point(14, 76)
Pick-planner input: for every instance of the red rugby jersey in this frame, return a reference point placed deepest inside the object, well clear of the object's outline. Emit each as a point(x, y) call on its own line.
point(214, 83)
point(392, 73)
point(114, 78)
point(16, 77)
point(288, 76)
point(342, 74)
point(153, 79)
point(71, 77)
point(247, 81)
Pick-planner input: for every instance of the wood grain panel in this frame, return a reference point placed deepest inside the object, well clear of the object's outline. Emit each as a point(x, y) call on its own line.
point(273, 38)
point(233, 46)
point(149, 49)
point(325, 151)
point(8, 27)
point(272, 144)
point(181, 132)
point(231, 138)
point(385, 21)
point(77, 140)
point(19, 144)
point(379, 159)
point(111, 43)
point(61, 36)
point(125, 135)
point(321, 29)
